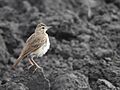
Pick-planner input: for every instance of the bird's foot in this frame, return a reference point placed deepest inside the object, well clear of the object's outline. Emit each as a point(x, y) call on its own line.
point(30, 67)
point(38, 68)
point(33, 68)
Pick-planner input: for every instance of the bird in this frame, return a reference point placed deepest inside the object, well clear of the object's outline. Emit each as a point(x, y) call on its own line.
point(35, 46)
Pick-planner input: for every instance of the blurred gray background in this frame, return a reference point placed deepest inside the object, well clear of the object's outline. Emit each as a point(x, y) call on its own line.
point(85, 43)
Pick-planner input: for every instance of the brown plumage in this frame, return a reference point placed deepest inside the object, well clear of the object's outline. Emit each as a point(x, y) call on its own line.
point(35, 43)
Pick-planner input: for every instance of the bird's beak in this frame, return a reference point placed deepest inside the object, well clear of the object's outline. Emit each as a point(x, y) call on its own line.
point(48, 27)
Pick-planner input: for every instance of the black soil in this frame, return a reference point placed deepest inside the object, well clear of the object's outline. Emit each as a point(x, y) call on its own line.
point(84, 52)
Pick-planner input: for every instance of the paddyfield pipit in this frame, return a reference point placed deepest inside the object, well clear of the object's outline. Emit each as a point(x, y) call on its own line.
point(36, 46)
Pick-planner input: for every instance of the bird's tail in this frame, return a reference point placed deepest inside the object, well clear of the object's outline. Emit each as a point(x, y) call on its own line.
point(17, 61)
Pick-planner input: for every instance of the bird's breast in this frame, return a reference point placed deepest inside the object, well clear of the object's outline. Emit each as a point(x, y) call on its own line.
point(43, 49)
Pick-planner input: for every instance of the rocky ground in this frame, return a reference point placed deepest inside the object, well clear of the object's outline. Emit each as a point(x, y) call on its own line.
point(84, 52)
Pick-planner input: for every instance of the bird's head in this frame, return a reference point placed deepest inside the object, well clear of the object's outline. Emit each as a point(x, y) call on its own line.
point(41, 27)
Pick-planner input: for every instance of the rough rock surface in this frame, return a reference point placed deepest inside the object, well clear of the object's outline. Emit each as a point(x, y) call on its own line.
point(70, 81)
point(84, 50)
point(27, 80)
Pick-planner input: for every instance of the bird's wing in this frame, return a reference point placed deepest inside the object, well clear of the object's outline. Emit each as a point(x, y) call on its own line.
point(31, 37)
point(33, 43)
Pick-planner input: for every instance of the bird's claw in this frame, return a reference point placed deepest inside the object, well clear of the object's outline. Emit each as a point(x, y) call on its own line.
point(33, 68)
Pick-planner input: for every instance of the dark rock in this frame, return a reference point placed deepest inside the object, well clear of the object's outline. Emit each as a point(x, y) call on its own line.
point(91, 47)
point(100, 53)
point(112, 74)
point(103, 84)
point(117, 3)
point(2, 43)
point(13, 86)
point(4, 55)
point(71, 81)
point(10, 36)
point(35, 80)
point(84, 37)
point(27, 80)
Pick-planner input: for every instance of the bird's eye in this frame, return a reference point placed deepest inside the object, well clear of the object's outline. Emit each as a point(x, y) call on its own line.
point(43, 28)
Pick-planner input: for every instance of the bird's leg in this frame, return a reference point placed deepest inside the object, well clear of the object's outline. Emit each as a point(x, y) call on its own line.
point(34, 63)
point(30, 63)
point(37, 66)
